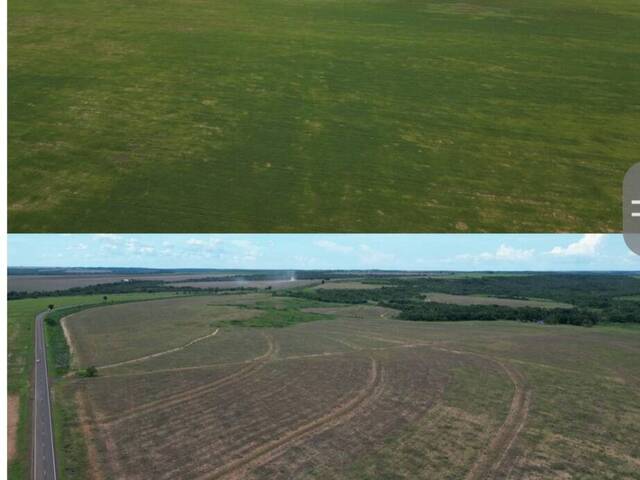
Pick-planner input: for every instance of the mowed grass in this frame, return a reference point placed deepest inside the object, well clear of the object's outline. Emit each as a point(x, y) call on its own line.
point(354, 394)
point(353, 115)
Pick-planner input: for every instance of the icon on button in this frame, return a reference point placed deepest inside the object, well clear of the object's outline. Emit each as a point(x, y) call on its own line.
point(631, 208)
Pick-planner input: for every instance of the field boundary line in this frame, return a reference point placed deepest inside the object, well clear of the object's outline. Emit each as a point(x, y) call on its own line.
point(351, 346)
point(159, 354)
point(277, 447)
point(88, 434)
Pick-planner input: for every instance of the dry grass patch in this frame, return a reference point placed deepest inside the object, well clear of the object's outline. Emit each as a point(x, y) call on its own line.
point(13, 417)
point(482, 300)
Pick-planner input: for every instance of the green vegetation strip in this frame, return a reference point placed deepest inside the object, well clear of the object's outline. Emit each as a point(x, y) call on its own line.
point(277, 318)
point(284, 315)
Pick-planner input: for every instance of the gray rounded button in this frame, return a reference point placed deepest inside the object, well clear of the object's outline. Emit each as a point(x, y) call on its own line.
point(631, 208)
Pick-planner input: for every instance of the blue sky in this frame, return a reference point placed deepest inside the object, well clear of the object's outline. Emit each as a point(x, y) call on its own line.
point(285, 251)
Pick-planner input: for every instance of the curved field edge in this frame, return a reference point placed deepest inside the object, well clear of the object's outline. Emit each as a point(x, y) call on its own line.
point(20, 358)
point(506, 438)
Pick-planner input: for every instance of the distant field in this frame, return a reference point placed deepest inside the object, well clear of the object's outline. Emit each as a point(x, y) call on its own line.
point(354, 115)
point(353, 394)
point(347, 285)
point(482, 300)
point(49, 283)
point(274, 284)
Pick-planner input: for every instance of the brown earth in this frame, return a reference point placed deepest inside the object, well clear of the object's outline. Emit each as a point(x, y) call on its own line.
point(49, 283)
point(13, 417)
point(260, 284)
point(358, 392)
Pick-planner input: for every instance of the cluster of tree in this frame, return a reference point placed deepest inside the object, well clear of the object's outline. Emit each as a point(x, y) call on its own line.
point(621, 311)
point(88, 372)
point(359, 295)
point(596, 297)
point(430, 311)
point(596, 290)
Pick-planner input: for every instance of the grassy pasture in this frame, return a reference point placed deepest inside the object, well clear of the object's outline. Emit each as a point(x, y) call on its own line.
point(355, 394)
point(260, 284)
point(486, 300)
point(348, 285)
point(138, 329)
point(354, 115)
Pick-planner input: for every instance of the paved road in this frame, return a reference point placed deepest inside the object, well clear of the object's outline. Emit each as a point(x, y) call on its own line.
point(44, 459)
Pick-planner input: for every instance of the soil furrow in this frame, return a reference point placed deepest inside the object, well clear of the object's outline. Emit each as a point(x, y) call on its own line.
point(275, 448)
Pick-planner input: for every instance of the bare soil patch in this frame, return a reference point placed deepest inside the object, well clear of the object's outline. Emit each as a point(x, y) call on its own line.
point(259, 284)
point(68, 338)
point(13, 417)
point(85, 426)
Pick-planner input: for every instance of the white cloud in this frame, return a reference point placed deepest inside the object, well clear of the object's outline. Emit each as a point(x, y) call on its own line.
point(303, 261)
point(588, 245)
point(372, 257)
point(333, 246)
point(109, 241)
point(208, 245)
point(249, 251)
point(78, 247)
point(503, 253)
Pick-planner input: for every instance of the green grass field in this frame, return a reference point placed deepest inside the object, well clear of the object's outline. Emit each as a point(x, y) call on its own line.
point(321, 115)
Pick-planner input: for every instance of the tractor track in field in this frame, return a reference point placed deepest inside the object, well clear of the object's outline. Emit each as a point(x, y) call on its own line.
point(499, 453)
point(160, 354)
point(275, 448)
point(494, 460)
point(498, 456)
point(175, 399)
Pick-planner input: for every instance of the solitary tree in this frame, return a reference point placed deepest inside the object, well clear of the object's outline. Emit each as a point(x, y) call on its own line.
point(91, 371)
point(51, 306)
point(104, 298)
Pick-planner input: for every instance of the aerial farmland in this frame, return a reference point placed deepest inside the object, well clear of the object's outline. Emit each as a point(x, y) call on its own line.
point(307, 116)
point(317, 382)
